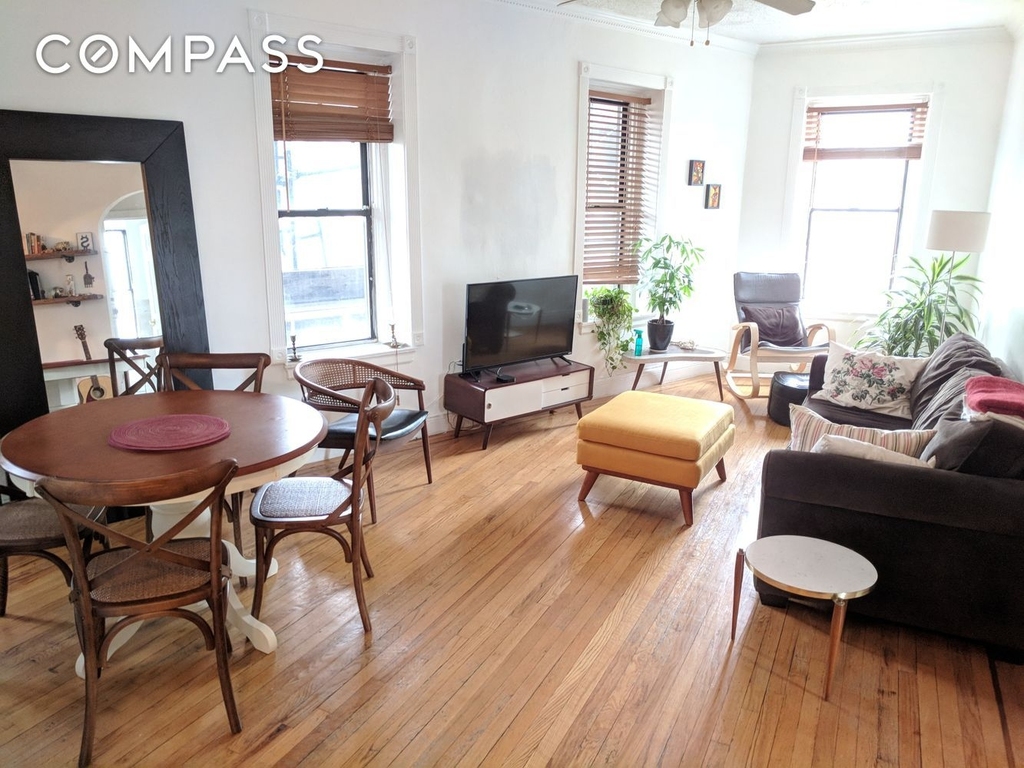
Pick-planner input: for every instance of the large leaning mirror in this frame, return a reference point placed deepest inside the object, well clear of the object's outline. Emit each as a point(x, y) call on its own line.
point(158, 146)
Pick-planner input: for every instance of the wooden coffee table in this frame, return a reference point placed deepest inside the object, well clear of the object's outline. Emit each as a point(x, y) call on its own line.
point(675, 354)
point(809, 568)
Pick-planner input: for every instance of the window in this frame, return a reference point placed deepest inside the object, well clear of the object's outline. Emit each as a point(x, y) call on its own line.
point(327, 126)
point(861, 168)
point(622, 176)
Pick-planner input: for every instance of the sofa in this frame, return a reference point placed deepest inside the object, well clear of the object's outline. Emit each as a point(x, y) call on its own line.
point(947, 540)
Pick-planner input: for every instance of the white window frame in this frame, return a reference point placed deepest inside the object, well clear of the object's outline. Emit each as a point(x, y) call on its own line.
point(916, 212)
point(612, 79)
point(399, 275)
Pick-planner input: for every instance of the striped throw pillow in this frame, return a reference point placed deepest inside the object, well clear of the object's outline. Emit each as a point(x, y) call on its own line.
point(808, 427)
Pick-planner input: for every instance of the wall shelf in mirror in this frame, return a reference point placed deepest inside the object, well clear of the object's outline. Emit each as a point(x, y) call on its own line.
point(68, 256)
point(72, 300)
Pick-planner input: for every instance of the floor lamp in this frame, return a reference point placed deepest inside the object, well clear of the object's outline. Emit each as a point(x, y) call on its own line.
point(953, 231)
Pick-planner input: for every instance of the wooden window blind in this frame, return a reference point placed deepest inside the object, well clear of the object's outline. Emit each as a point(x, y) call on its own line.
point(623, 159)
point(823, 143)
point(343, 101)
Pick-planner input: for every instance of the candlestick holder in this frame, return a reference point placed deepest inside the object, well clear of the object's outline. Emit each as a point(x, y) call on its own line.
point(294, 356)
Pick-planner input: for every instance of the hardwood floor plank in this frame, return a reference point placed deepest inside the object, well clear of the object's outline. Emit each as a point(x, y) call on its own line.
point(516, 626)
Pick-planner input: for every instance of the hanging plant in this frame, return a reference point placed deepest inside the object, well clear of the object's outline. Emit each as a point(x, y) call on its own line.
point(933, 301)
point(613, 323)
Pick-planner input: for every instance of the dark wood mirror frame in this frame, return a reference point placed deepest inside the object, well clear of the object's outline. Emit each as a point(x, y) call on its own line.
point(159, 146)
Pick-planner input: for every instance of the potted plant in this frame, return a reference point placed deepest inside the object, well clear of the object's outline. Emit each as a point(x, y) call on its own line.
point(933, 301)
point(666, 275)
point(613, 313)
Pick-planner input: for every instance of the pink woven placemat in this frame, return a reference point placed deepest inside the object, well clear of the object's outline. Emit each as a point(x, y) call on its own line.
point(173, 432)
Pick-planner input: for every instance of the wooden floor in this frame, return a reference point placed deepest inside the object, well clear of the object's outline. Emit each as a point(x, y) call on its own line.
point(516, 626)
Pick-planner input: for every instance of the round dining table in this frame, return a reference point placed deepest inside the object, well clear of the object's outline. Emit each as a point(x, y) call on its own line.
point(269, 436)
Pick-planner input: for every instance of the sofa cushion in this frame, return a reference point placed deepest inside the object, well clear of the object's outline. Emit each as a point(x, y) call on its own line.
point(947, 402)
point(775, 325)
point(845, 446)
point(986, 447)
point(840, 414)
point(808, 427)
point(956, 352)
point(869, 380)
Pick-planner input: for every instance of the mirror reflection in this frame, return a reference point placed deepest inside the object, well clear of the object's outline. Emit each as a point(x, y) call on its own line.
point(90, 267)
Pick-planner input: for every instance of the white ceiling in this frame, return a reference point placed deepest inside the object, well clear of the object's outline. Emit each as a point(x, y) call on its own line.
point(753, 22)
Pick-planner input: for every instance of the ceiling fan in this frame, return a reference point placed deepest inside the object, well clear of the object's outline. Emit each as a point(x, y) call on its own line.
point(710, 12)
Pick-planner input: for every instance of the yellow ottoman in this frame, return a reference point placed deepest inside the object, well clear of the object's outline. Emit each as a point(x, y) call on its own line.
point(658, 439)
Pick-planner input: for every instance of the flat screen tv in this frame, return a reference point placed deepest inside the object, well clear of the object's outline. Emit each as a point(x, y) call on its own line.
point(513, 321)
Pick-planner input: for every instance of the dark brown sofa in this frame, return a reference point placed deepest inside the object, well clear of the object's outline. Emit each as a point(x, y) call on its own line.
point(948, 543)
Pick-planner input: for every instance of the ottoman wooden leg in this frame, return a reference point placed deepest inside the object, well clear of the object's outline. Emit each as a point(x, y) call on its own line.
point(686, 497)
point(720, 467)
point(588, 483)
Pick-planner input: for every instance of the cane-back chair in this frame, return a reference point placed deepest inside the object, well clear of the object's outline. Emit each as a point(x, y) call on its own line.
point(135, 579)
point(325, 504)
point(770, 329)
point(323, 384)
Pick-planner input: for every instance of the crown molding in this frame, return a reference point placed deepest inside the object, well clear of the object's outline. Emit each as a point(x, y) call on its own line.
point(589, 15)
point(903, 40)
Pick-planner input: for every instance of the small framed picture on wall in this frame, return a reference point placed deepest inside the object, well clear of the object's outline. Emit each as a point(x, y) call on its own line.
point(712, 195)
point(696, 173)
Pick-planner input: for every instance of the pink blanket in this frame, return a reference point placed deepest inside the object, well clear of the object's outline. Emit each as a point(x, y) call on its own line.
point(996, 395)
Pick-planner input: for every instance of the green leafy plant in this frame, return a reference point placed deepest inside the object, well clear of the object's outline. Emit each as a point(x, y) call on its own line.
point(922, 311)
point(613, 313)
point(666, 271)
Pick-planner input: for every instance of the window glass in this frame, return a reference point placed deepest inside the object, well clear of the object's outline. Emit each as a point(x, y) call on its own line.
point(859, 184)
point(865, 129)
point(850, 256)
point(318, 174)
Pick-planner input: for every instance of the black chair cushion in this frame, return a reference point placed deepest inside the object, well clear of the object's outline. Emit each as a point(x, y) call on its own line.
point(401, 423)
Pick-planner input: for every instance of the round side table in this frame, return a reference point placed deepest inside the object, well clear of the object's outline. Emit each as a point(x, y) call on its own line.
point(809, 568)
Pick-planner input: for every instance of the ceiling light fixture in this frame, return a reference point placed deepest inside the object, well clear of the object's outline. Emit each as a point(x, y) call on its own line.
point(710, 12)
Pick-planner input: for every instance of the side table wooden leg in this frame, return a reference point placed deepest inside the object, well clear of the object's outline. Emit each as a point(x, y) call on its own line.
point(664, 367)
point(718, 376)
point(737, 586)
point(639, 370)
point(838, 617)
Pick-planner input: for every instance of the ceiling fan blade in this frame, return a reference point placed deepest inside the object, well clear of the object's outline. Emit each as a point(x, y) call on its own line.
point(792, 7)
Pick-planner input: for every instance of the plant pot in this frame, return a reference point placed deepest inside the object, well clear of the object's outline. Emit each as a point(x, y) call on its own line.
point(659, 334)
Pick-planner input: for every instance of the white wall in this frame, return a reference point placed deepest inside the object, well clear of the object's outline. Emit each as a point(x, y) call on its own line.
point(968, 74)
point(1002, 263)
point(497, 98)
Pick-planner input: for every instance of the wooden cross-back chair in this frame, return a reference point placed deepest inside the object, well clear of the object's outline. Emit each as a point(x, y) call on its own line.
point(324, 384)
point(770, 330)
point(28, 527)
point(145, 371)
point(136, 579)
point(325, 504)
point(174, 367)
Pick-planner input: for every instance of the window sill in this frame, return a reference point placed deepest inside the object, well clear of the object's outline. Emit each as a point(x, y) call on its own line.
point(373, 352)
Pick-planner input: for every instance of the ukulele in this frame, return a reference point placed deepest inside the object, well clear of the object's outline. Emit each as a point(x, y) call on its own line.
point(95, 387)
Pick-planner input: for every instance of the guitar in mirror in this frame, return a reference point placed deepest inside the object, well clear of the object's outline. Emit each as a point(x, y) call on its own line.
point(106, 284)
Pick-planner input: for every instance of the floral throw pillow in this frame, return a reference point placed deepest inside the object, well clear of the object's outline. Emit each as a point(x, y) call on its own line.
point(869, 380)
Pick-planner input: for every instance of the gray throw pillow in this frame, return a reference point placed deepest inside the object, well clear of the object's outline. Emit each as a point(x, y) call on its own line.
point(987, 447)
point(776, 325)
point(957, 352)
point(948, 402)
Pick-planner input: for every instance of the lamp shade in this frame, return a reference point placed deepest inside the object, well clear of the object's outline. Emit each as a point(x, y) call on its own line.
point(963, 231)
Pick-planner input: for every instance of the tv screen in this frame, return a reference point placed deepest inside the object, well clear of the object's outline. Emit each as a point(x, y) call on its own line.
point(513, 321)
